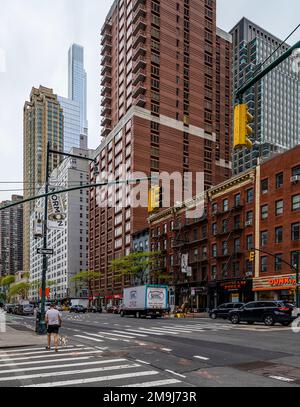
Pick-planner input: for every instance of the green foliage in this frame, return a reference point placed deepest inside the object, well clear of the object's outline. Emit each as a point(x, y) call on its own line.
point(6, 281)
point(135, 264)
point(85, 276)
point(21, 289)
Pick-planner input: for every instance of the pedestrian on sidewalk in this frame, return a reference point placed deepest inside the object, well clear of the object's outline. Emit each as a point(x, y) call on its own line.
point(53, 322)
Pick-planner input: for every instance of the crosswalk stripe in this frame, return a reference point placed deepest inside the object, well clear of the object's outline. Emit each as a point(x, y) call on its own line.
point(121, 336)
point(68, 372)
point(45, 361)
point(31, 349)
point(99, 336)
point(134, 334)
point(62, 351)
point(179, 330)
point(94, 379)
point(160, 330)
point(87, 337)
point(154, 384)
point(52, 355)
point(27, 369)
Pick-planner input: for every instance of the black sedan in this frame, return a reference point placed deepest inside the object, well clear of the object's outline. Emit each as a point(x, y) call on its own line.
point(222, 311)
point(268, 312)
point(78, 309)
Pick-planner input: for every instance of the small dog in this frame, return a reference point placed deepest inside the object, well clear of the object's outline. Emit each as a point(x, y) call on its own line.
point(63, 341)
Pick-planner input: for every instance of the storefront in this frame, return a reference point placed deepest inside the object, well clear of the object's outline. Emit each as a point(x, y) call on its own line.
point(194, 296)
point(275, 288)
point(113, 300)
point(230, 291)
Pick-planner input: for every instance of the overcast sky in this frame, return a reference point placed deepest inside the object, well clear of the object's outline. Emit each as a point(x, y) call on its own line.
point(35, 36)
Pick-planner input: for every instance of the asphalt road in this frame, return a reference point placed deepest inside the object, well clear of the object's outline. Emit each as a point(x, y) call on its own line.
point(106, 350)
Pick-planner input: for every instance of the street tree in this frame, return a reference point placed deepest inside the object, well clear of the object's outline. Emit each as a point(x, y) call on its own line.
point(86, 278)
point(5, 283)
point(21, 289)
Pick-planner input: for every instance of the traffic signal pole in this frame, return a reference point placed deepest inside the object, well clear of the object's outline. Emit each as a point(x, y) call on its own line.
point(243, 89)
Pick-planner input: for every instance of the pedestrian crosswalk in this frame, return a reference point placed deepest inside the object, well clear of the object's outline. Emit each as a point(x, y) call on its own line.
point(77, 365)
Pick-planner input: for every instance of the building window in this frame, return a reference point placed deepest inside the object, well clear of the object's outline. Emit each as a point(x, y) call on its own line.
point(214, 208)
point(264, 238)
point(278, 235)
point(264, 186)
point(264, 212)
point(264, 264)
point(237, 200)
point(225, 205)
point(249, 216)
point(296, 202)
point(249, 242)
point(214, 229)
point(278, 262)
point(295, 257)
point(250, 195)
point(225, 248)
point(214, 273)
point(295, 231)
point(279, 180)
point(237, 245)
point(296, 171)
point(279, 207)
point(249, 268)
point(214, 250)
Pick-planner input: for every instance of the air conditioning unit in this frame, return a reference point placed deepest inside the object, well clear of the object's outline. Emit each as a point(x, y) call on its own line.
point(249, 223)
point(295, 179)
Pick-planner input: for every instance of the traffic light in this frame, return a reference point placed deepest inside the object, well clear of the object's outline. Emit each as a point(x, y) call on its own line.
point(252, 256)
point(154, 199)
point(242, 130)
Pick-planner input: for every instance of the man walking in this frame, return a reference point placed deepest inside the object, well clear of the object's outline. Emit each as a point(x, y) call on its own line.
point(53, 322)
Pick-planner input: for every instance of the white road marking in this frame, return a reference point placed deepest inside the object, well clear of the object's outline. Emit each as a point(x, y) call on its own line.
point(62, 351)
point(283, 379)
point(28, 369)
point(176, 374)
point(45, 361)
point(121, 336)
point(179, 330)
point(166, 349)
point(31, 349)
point(153, 384)
point(142, 361)
point(68, 372)
point(201, 357)
point(95, 379)
point(87, 337)
point(52, 355)
point(100, 336)
point(135, 334)
point(157, 331)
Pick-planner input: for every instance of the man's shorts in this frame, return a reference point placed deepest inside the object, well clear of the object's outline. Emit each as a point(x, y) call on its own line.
point(53, 329)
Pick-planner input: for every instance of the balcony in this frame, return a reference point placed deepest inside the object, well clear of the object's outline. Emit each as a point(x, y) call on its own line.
point(140, 38)
point(238, 228)
point(238, 206)
point(106, 81)
point(138, 3)
point(106, 59)
point(107, 46)
point(141, 24)
point(140, 63)
point(106, 110)
point(105, 132)
point(140, 76)
point(141, 101)
point(106, 29)
point(140, 51)
point(106, 100)
point(106, 69)
point(139, 89)
point(106, 121)
point(140, 12)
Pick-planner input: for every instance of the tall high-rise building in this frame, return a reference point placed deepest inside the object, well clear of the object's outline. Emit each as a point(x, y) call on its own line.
point(43, 122)
point(78, 84)
point(166, 106)
point(274, 101)
point(70, 243)
point(11, 237)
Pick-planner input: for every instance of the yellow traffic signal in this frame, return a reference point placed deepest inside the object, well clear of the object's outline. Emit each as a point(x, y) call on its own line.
point(242, 130)
point(252, 256)
point(154, 199)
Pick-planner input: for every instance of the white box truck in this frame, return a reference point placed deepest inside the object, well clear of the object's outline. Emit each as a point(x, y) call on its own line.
point(146, 300)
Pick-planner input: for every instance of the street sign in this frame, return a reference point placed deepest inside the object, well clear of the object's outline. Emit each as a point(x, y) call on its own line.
point(56, 216)
point(45, 251)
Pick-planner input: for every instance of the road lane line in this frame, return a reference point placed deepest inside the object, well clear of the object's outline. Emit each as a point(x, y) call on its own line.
point(28, 369)
point(166, 349)
point(87, 337)
point(201, 358)
point(282, 379)
point(69, 372)
point(176, 374)
point(95, 379)
point(142, 361)
point(153, 384)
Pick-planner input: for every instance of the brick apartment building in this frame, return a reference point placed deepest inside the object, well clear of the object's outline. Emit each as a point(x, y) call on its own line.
point(261, 209)
point(166, 106)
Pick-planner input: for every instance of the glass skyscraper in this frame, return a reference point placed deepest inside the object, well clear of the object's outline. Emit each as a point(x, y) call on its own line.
point(78, 84)
point(274, 101)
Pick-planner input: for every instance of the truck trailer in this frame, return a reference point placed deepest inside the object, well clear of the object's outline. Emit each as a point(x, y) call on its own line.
point(146, 300)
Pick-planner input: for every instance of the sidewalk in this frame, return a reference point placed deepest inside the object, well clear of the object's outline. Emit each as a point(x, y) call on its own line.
point(191, 315)
point(16, 338)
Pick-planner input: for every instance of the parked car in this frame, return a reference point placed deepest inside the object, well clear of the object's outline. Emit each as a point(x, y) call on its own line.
point(26, 309)
point(222, 311)
point(95, 309)
point(268, 312)
point(78, 309)
point(9, 308)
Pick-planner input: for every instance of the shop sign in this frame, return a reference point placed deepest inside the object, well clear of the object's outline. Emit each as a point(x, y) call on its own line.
point(283, 282)
point(234, 285)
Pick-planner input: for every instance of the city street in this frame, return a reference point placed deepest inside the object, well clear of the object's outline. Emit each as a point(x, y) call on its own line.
point(105, 350)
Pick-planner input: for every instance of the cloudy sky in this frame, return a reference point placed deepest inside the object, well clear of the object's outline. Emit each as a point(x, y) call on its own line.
point(34, 39)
